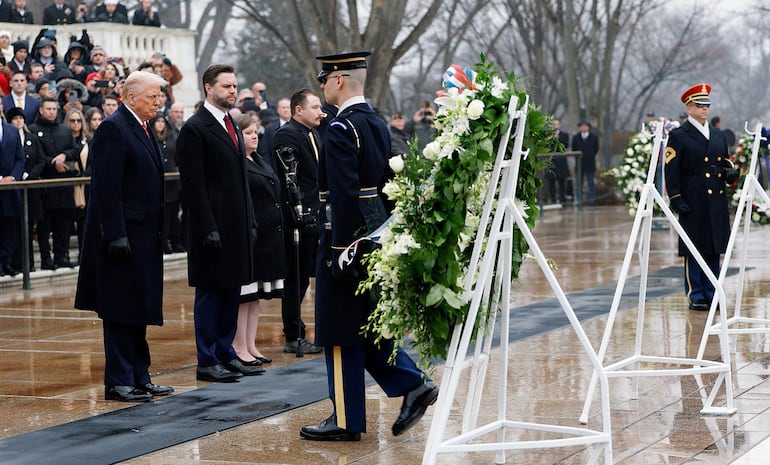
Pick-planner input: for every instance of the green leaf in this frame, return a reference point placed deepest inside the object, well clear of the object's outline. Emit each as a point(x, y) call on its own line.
point(435, 295)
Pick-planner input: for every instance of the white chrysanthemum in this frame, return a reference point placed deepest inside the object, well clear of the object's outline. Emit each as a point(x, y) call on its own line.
point(391, 189)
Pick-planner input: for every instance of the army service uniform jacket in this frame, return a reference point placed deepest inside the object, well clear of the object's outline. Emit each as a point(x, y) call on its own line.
point(351, 172)
point(695, 170)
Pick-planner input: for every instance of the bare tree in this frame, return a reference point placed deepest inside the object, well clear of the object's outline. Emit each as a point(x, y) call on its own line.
point(317, 27)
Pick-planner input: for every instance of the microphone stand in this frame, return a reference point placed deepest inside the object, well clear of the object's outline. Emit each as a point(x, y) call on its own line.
point(289, 163)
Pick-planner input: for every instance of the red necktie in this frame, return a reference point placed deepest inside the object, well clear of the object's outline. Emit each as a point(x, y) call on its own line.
point(231, 130)
point(146, 132)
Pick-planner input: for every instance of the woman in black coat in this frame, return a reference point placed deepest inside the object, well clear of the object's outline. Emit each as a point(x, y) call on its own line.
point(172, 226)
point(269, 264)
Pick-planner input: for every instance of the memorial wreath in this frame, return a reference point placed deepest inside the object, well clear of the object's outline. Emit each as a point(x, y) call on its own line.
point(418, 275)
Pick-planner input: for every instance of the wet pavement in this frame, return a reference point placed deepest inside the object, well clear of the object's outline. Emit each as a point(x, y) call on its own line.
point(52, 361)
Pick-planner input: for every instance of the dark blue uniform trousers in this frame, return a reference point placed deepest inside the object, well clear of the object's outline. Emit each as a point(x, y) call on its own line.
point(696, 284)
point(216, 317)
point(126, 353)
point(345, 367)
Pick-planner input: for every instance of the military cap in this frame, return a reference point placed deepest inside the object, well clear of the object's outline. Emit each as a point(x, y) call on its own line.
point(698, 93)
point(341, 62)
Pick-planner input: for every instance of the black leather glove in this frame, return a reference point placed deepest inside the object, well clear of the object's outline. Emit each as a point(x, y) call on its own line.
point(308, 223)
point(212, 244)
point(732, 175)
point(680, 206)
point(119, 248)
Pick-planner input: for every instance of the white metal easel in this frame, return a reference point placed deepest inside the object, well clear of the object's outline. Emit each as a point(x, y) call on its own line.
point(495, 265)
point(632, 365)
point(750, 189)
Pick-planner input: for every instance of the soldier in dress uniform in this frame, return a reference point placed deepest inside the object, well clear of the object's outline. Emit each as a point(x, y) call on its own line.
point(351, 172)
point(697, 171)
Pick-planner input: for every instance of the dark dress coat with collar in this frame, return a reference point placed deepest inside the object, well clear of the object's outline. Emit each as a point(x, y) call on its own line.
point(265, 189)
point(216, 194)
point(296, 135)
point(348, 173)
point(589, 147)
point(31, 106)
point(126, 200)
point(695, 170)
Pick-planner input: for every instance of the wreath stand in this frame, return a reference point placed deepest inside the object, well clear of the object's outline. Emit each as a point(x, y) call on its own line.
point(496, 266)
point(632, 365)
point(751, 189)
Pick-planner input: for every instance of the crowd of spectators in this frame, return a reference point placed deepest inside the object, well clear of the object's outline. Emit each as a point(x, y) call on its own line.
point(60, 12)
point(58, 102)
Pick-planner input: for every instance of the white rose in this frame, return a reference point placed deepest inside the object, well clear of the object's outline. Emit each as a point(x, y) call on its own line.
point(396, 164)
point(431, 150)
point(475, 109)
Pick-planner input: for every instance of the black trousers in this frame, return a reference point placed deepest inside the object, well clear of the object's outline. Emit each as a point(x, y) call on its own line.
point(126, 354)
point(59, 222)
point(294, 290)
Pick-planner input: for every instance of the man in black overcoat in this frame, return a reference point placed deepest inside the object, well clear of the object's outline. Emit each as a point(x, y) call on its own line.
point(298, 140)
point(11, 170)
point(121, 271)
point(221, 226)
point(698, 169)
point(587, 142)
point(559, 172)
point(351, 172)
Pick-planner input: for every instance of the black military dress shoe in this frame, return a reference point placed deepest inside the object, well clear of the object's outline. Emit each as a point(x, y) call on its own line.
point(65, 263)
point(700, 305)
point(126, 394)
point(154, 389)
point(47, 265)
point(413, 408)
point(238, 367)
point(328, 430)
point(217, 374)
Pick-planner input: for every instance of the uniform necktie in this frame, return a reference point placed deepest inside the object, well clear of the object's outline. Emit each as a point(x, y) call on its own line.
point(312, 144)
point(231, 130)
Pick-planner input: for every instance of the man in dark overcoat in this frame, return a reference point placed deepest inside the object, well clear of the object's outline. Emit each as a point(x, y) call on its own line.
point(559, 172)
point(220, 221)
point(121, 271)
point(697, 170)
point(587, 142)
point(297, 140)
point(61, 153)
point(351, 172)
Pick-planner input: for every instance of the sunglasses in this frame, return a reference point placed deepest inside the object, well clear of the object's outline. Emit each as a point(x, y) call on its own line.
point(323, 79)
point(76, 121)
point(702, 105)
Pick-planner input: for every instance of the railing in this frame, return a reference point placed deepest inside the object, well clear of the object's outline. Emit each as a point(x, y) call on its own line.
point(24, 187)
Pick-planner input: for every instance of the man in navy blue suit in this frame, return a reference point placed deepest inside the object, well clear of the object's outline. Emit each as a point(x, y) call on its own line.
point(121, 269)
point(221, 227)
point(11, 170)
point(19, 98)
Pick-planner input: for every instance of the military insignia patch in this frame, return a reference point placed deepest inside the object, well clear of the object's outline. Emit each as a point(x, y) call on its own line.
point(670, 154)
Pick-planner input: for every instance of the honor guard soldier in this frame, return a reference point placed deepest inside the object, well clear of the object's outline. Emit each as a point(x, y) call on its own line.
point(698, 170)
point(351, 172)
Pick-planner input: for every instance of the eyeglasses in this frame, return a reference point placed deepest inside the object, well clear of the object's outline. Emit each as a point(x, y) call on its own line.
point(702, 105)
point(323, 79)
point(76, 121)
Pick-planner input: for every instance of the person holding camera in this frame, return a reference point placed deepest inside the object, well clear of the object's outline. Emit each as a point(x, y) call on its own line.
point(146, 15)
point(296, 148)
point(422, 125)
point(76, 61)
